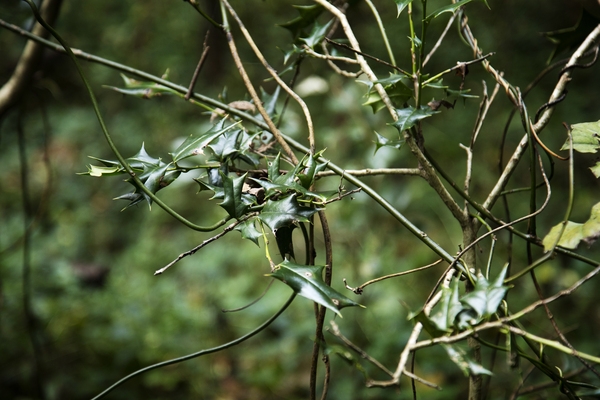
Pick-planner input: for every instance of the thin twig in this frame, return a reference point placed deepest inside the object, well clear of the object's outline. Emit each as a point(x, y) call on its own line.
point(374, 171)
point(203, 244)
point(275, 75)
point(359, 289)
point(205, 49)
point(441, 38)
point(253, 302)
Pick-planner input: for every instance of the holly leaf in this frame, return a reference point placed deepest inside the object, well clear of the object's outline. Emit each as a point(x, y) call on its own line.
point(382, 141)
point(485, 298)
point(449, 8)
point(409, 116)
point(460, 358)
point(448, 309)
point(144, 90)
point(307, 281)
point(233, 201)
point(196, 143)
point(586, 137)
point(402, 4)
point(284, 212)
point(396, 86)
point(308, 15)
point(574, 233)
point(284, 241)
point(249, 231)
point(316, 35)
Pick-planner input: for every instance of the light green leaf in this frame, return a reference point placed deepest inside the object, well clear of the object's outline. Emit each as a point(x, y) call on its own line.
point(145, 90)
point(596, 170)
point(284, 213)
point(574, 232)
point(586, 138)
point(402, 4)
point(307, 281)
point(409, 116)
point(94, 170)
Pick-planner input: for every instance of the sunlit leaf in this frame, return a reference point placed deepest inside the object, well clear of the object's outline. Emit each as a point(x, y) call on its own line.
point(574, 232)
point(307, 281)
point(586, 137)
point(94, 170)
point(409, 116)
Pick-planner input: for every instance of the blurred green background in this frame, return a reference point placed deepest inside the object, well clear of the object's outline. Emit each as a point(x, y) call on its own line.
point(99, 311)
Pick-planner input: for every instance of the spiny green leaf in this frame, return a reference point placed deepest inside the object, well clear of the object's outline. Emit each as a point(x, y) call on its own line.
point(316, 35)
point(409, 116)
point(396, 86)
point(485, 298)
point(574, 233)
point(145, 90)
point(460, 358)
point(307, 281)
point(449, 8)
point(249, 231)
point(143, 160)
point(311, 169)
point(586, 137)
point(402, 4)
point(196, 143)
point(308, 15)
point(284, 213)
point(285, 244)
point(273, 168)
point(448, 308)
point(382, 141)
point(94, 170)
point(233, 201)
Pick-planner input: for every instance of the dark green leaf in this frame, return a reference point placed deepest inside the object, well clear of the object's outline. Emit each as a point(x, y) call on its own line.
point(308, 15)
point(409, 116)
point(586, 137)
point(307, 281)
point(316, 35)
point(284, 241)
point(233, 201)
point(449, 8)
point(284, 213)
point(382, 141)
point(249, 231)
point(396, 86)
point(196, 143)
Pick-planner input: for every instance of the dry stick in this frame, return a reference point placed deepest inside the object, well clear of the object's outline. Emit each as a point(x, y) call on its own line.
point(201, 245)
point(314, 54)
point(502, 321)
point(335, 330)
point(275, 75)
point(205, 49)
point(257, 102)
point(359, 289)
